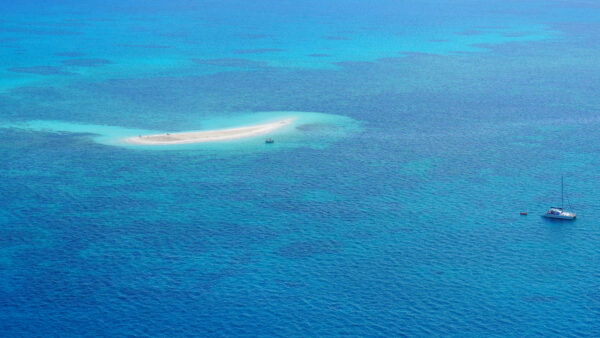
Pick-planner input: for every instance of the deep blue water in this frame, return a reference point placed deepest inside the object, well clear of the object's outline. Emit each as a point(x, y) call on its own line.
point(399, 218)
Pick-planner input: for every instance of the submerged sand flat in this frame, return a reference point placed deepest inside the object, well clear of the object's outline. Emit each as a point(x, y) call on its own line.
point(208, 135)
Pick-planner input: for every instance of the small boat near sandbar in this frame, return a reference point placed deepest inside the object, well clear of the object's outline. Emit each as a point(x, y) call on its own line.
point(269, 141)
point(560, 213)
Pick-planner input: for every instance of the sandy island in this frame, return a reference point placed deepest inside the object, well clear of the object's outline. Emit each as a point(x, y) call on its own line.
point(208, 135)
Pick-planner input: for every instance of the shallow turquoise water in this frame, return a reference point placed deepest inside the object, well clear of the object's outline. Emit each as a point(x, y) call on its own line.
point(305, 129)
point(393, 209)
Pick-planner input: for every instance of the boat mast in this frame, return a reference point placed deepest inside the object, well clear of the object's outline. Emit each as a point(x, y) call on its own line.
point(561, 192)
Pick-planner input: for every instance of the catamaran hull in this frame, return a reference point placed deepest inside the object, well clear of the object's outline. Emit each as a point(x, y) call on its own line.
point(570, 218)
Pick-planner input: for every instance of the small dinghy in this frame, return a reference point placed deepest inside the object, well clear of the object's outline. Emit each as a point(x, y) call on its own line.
point(269, 140)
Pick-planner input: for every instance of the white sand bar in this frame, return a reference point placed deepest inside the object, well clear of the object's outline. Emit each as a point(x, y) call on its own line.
point(208, 135)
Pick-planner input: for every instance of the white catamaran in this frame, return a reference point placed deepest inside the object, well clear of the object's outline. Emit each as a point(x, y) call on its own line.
point(560, 213)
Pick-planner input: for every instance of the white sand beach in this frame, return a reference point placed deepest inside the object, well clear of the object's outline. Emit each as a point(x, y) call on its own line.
point(208, 135)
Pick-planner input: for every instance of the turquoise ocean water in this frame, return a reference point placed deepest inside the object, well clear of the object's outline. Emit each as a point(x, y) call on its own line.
point(389, 207)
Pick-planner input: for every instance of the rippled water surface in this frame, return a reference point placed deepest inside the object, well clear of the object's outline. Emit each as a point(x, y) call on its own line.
point(391, 209)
